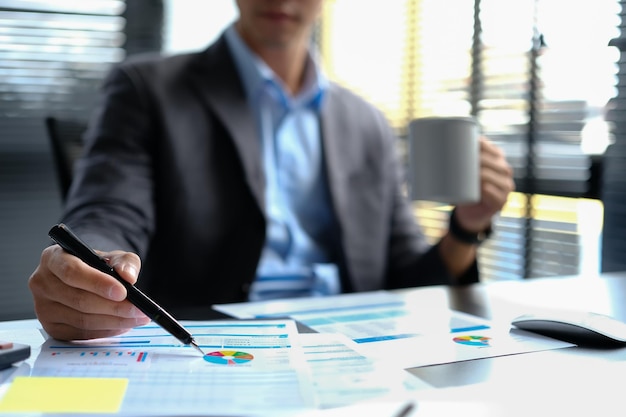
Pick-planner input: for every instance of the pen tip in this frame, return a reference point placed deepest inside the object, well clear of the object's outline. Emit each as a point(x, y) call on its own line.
point(195, 346)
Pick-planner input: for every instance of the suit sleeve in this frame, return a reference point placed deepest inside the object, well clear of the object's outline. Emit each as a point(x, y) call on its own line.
point(110, 203)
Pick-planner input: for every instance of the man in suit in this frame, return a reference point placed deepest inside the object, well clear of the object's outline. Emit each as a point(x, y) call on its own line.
point(241, 173)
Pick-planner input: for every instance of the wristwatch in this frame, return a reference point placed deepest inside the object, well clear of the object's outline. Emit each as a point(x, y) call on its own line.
point(473, 238)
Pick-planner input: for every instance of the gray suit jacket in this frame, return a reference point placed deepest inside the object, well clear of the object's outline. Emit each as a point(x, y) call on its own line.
point(173, 171)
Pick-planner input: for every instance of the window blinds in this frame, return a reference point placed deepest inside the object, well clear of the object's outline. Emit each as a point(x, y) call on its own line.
point(517, 67)
point(614, 175)
point(53, 56)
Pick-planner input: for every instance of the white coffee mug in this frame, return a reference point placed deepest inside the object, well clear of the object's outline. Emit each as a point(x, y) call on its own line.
point(444, 159)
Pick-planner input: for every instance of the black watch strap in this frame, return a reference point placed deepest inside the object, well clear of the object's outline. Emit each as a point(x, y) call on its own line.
point(463, 235)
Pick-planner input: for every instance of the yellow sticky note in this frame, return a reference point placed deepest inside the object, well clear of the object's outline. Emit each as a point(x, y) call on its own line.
point(64, 395)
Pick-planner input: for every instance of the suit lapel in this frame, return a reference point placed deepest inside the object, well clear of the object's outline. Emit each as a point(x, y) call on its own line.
point(336, 142)
point(332, 128)
point(217, 82)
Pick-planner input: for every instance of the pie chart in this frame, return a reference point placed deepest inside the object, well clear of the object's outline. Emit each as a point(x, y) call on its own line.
point(228, 357)
point(472, 340)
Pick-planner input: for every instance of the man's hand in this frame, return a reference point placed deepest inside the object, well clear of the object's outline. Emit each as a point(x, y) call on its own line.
point(75, 301)
point(496, 182)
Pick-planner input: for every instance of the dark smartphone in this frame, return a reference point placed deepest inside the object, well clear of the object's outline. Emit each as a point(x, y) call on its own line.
point(12, 352)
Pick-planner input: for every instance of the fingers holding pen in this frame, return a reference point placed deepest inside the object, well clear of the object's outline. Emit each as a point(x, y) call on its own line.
point(70, 296)
point(74, 273)
point(65, 323)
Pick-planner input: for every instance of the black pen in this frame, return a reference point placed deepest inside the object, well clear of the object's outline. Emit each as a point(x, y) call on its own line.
point(404, 411)
point(62, 235)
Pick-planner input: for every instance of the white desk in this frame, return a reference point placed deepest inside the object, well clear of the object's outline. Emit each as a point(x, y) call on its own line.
point(572, 381)
point(564, 382)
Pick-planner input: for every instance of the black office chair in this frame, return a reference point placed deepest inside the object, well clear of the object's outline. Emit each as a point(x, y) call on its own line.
point(66, 140)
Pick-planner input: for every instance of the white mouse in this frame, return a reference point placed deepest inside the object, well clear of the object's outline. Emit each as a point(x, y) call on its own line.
point(578, 327)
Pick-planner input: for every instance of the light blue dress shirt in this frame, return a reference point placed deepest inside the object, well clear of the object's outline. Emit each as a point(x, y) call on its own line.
point(294, 262)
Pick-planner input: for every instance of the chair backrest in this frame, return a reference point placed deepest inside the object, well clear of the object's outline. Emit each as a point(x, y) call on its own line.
point(66, 140)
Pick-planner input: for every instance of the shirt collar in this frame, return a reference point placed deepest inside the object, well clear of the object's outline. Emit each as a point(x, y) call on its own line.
point(257, 75)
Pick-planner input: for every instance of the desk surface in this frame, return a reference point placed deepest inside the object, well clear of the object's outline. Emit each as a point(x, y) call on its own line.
point(570, 381)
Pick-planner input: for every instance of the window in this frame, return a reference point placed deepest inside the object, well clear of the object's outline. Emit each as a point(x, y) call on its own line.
point(613, 173)
point(53, 56)
point(538, 84)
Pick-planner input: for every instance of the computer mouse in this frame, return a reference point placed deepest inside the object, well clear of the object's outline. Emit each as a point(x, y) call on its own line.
point(582, 328)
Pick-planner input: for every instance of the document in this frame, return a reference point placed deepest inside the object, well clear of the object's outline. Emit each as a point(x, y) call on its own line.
point(342, 376)
point(251, 368)
point(386, 326)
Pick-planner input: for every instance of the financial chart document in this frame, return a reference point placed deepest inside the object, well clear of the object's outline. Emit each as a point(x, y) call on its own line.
point(342, 376)
point(388, 326)
point(250, 367)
